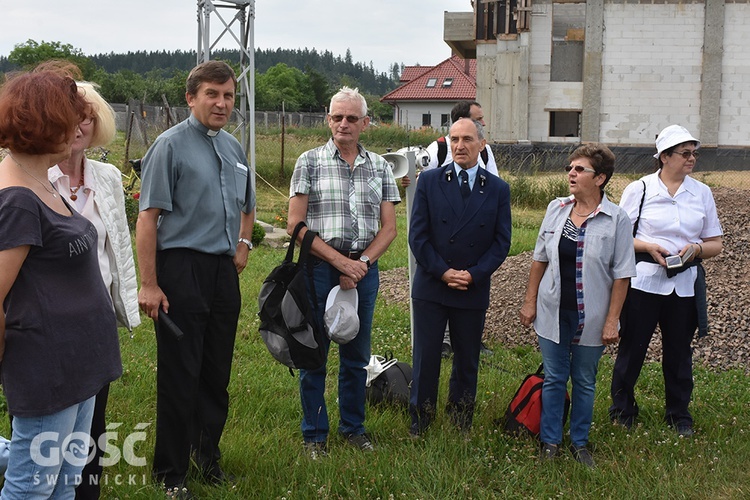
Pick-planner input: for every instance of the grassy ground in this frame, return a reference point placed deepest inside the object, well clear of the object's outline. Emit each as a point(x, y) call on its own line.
point(262, 442)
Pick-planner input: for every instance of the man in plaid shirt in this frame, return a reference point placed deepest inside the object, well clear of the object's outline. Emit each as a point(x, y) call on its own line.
point(347, 195)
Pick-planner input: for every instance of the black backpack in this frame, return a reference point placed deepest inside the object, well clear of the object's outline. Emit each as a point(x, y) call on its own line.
point(287, 323)
point(392, 385)
point(443, 152)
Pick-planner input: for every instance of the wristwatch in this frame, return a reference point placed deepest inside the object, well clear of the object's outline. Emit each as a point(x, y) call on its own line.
point(366, 260)
point(246, 242)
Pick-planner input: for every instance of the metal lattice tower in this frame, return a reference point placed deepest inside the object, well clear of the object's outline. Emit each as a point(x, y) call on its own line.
point(241, 28)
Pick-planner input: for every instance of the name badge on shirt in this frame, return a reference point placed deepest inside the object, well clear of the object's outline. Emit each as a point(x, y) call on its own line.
point(241, 167)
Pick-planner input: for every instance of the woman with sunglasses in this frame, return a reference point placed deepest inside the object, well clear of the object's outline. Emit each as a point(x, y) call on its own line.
point(94, 189)
point(582, 264)
point(672, 215)
point(58, 332)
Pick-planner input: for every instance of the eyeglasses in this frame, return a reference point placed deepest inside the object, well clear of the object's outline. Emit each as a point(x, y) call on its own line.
point(686, 154)
point(349, 118)
point(579, 169)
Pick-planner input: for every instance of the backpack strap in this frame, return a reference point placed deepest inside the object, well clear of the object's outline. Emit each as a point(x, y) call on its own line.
point(305, 260)
point(293, 242)
point(640, 209)
point(442, 150)
point(485, 156)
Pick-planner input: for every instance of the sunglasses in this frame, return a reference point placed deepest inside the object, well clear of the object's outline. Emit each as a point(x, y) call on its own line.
point(579, 169)
point(686, 154)
point(349, 118)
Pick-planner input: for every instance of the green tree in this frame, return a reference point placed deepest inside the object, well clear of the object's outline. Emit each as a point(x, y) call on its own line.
point(29, 54)
point(283, 84)
point(320, 88)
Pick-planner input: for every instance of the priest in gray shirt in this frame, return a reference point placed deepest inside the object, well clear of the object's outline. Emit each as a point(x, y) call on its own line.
point(197, 209)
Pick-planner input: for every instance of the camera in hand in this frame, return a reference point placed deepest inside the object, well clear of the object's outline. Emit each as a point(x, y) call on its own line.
point(674, 261)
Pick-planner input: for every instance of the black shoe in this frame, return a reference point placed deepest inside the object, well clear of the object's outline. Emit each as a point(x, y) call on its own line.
point(684, 430)
point(214, 475)
point(316, 449)
point(447, 350)
point(484, 350)
point(178, 491)
point(618, 418)
point(361, 441)
point(548, 452)
point(582, 455)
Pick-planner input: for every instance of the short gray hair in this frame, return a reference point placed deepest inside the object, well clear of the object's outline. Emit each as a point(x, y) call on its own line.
point(479, 126)
point(349, 94)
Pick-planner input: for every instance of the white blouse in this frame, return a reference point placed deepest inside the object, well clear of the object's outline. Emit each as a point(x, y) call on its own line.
point(672, 222)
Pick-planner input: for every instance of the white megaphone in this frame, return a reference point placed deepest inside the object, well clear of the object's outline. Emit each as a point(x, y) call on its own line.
point(399, 164)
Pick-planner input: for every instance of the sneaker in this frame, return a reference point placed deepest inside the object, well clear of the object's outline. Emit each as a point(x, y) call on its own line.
point(447, 350)
point(484, 350)
point(548, 451)
point(361, 441)
point(582, 455)
point(316, 449)
point(178, 491)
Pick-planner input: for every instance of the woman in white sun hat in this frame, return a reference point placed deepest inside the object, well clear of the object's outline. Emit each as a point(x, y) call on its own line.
point(672, 215)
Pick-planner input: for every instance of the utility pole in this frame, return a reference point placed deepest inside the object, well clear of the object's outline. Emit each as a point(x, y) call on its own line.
point(239, 26)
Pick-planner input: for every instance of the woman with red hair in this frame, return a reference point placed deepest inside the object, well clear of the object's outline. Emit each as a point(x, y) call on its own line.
point(58, 349)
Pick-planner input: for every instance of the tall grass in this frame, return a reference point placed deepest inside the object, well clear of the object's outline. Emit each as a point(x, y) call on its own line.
point(261, 444)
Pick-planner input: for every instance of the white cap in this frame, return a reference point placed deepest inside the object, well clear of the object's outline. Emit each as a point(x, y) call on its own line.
point(672, 136)
point(341, 317)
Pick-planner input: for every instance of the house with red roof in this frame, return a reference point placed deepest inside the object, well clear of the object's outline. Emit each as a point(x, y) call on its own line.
point(427, 93)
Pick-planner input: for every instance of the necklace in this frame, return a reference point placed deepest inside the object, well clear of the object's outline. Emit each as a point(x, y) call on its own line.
point(583, 215)
point(74, 190)
point(49, 189)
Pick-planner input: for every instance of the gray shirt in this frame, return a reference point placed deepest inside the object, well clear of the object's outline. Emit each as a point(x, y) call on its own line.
point(200, 180)
point(607, 255)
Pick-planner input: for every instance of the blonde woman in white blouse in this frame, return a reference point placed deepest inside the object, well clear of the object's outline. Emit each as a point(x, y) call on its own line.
point(94, 189)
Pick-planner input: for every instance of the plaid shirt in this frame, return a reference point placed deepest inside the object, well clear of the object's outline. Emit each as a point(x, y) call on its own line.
point(344, 203)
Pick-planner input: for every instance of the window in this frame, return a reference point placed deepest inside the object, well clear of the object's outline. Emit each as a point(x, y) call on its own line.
point(447, 82)
point(445, 120)
point(568, 35)
point(427, 120)
point(564, 123)
point(431, 82)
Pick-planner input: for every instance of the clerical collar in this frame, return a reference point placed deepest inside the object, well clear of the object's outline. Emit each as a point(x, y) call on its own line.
point(197, 124)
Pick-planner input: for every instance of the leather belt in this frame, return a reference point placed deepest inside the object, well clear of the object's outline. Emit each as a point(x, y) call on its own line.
point(350, 254)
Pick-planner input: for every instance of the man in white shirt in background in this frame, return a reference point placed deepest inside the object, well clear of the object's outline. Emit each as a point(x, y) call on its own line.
point(463, 109)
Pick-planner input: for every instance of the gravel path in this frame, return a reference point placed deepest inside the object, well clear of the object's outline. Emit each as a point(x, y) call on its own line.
point(727, 276)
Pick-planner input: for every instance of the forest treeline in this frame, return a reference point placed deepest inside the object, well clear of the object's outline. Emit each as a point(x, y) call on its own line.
point(300, 79)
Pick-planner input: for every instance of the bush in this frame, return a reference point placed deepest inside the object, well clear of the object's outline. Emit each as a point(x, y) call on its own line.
point(258, 234)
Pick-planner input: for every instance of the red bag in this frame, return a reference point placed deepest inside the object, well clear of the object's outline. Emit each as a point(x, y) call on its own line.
point(524, 413)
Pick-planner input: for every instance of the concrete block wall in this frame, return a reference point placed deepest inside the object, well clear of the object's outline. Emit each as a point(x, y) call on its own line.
point(734, 109)
point(651, 70)
point(539, 73)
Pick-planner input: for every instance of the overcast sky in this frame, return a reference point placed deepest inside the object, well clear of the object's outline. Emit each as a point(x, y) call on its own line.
point(381, 31)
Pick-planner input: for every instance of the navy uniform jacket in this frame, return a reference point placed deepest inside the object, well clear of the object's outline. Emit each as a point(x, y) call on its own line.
point(443, 235)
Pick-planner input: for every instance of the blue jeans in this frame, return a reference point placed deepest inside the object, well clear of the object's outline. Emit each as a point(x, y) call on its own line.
point(354, 357)
point(47, 453)
point(562, 361)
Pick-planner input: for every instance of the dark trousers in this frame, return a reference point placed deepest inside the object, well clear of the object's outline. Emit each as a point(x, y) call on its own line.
point(677, 319)
point(193, 373)
point(466, 327)
point(92, 472)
